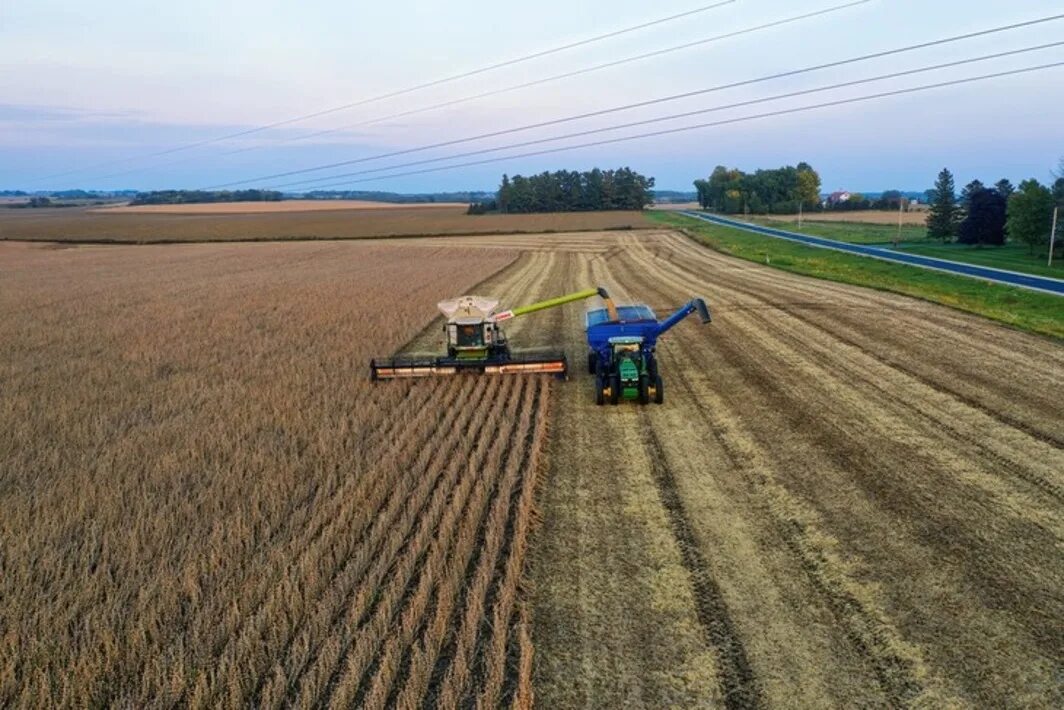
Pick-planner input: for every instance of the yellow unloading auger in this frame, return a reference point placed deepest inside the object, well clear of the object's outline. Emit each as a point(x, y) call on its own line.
point(476, 343)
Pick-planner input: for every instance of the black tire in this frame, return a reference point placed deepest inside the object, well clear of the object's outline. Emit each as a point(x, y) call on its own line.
point(592, 362)
point(644, 389)
point(615, 389)
point(600, 395)
point(659, 391)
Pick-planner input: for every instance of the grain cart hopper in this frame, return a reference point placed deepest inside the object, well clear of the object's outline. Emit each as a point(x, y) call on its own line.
point(476, 343)
point(621, 342)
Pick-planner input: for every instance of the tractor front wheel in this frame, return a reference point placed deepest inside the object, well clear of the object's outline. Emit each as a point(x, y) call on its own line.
point(644, 389)
point(600, 391)
point(659, 390)
point(615, 389)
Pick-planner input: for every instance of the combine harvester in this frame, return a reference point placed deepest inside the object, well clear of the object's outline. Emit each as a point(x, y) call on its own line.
point(621, 342)
point(476, 343)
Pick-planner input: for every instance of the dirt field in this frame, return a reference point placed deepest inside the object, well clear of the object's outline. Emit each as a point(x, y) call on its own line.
point(860, 216)
point(82, 225)
point(206, 503)
point(273, 207)
point(849, 499)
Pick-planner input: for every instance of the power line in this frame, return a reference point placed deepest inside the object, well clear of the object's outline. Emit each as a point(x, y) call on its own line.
point(402, 92)
point(685, 114)
point(642, 104)
point(564, 75)
point(741, 119)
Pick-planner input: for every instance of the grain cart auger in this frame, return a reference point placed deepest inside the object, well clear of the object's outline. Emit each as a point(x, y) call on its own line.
point(476, 343)
point(621, 343)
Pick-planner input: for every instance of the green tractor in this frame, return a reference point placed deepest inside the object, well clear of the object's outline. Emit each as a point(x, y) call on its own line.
point(622, 343)
point(633, 375)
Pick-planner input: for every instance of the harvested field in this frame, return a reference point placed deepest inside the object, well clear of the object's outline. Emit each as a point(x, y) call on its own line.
point(857, 216)
point(281, 206)
point(849, 498)
point(206, 503)
point(111, 226)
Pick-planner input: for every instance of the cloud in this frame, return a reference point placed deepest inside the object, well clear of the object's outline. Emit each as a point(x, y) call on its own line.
point(34, 112)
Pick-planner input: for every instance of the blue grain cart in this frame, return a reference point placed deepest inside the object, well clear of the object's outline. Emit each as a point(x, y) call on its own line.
point(621, 343)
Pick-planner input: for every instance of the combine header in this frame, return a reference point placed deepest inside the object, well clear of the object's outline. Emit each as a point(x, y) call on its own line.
point(476, 343)
point(621, 343)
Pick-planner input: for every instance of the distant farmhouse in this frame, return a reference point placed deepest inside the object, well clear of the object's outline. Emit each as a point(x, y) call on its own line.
point(836, 198)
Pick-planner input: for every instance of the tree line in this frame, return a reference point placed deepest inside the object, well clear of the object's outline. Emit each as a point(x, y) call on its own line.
point(181, 197)
point(571, 191)
point(780, 191)
point(989, 215)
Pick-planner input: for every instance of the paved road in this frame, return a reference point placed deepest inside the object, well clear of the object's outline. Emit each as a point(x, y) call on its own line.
point(985, 273)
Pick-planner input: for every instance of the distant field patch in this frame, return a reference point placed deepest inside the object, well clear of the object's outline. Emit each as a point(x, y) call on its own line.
point(155, 226)
point(282, 206)
point(859, 216)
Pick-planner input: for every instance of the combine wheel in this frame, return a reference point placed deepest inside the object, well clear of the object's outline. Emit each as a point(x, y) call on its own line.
point(659, 390)
point(615, 388)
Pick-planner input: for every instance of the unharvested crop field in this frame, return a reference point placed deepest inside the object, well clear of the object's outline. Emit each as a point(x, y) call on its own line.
point(849, 498)
point(205, 502)
point(273, 207)
point(109, 226)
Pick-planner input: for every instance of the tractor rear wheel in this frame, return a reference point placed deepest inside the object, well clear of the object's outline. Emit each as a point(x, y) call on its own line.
point(659, 390)
point(644, 389)
point(615, 389)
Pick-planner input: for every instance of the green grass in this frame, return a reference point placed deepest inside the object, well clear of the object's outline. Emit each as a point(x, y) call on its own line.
point(852, 232)
point(1014, 257)
point(1027, 310)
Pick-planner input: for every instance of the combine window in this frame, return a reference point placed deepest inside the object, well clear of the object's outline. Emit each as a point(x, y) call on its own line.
point(470, 336)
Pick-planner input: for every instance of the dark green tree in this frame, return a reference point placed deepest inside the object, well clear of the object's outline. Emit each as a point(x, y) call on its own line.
point(966, 193)
point(943, 217)
point(569, 190)
point(1030, 214)
point(1004, 188)
point(1058, 191)
point(984, 223)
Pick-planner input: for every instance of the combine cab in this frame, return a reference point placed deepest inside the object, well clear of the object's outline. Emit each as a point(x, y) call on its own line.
point(476, 342)
point(621, 350)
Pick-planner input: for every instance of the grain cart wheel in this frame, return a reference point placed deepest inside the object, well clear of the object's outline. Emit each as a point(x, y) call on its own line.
point(644, 389)
point(659, 390)
point(615, 388)
point(592, 362)
point(600, 390)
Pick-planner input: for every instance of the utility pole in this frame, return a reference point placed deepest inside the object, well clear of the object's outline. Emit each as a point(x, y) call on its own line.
point(901, 204)
point(1053, 235)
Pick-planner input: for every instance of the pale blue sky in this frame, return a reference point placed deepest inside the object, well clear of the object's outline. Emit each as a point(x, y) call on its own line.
point(83, 83)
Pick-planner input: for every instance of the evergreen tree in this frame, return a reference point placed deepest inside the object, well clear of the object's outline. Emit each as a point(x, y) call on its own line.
point(1004, 188)
point(943, 217)
point(966, 193)
point(984, 223)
